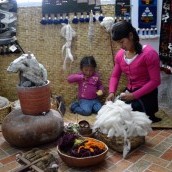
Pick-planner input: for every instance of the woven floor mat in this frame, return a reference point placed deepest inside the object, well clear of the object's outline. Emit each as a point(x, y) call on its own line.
point(166, 122)
point(75, 118)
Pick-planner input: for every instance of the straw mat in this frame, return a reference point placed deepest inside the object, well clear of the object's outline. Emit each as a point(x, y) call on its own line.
point(166, 122)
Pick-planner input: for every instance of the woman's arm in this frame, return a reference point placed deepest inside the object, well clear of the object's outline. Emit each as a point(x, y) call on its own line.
point(115, 77)
point(153, 66)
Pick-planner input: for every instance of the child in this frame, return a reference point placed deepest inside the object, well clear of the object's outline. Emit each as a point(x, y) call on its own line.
point(89, 88)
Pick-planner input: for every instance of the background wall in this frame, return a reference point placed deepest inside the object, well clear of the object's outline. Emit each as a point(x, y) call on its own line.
point(45, 42)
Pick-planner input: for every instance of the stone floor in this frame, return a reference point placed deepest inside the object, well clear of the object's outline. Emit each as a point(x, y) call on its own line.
point(154, 156)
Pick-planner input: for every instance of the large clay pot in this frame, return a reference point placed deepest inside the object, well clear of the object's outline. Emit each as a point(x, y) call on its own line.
point(24, 131)
point(34, 100)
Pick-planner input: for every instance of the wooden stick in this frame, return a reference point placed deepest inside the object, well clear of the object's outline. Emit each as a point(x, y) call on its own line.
point(28, 164)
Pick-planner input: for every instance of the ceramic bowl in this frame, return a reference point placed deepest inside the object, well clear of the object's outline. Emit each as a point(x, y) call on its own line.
point(83, 162)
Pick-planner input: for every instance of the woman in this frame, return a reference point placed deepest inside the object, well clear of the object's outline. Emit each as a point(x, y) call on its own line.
point(141, 65)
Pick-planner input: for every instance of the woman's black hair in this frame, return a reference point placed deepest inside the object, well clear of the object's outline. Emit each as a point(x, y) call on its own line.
point(88, 61)
point(122, 30)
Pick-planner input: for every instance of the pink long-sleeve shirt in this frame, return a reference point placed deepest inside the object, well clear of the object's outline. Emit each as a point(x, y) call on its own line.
point(143, 73)
point(87, 88)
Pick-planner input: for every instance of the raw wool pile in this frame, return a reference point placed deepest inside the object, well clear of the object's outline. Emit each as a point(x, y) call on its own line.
point(118, 119)
point(31, 72)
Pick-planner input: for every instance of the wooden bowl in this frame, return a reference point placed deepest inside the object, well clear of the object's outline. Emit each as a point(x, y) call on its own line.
point(83, 162)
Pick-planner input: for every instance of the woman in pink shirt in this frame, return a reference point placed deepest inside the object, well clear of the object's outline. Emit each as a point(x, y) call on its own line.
point(89, 88)
point(141, 65)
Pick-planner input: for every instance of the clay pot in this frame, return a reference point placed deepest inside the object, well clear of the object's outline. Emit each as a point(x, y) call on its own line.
point(34, 100)
point(24, 131)
point(72, 161)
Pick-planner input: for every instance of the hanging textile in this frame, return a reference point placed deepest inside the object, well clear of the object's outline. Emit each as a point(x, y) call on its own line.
point(165, 49)
point(165, 53)
point(57, 11)
point(147, 14)
point(122, 10)
point(69, 6)
point(8, 19)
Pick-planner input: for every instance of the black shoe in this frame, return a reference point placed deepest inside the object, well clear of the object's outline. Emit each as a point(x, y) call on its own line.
point(154, 119)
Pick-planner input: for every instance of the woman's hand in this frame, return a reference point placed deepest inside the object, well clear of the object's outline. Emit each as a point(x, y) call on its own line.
point(110, 97)
point(127, 96)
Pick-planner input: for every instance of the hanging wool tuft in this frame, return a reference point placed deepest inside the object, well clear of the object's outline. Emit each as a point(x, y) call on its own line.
point(66, 20)
point(107, 23)
point(81, 19)
point(68, 33)
point(75, 20)
point(91, 30)
point(50, 20)
point(87, 19)
point(56, 21)
point(43, 21)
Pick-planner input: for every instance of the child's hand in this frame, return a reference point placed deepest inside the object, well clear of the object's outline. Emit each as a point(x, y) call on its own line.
point(99, 92)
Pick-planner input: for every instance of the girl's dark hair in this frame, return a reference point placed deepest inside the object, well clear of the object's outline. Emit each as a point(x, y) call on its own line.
point(122, 30)
point(88, 61)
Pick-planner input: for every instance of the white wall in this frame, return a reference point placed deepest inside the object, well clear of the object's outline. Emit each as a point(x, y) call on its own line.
point(134, 18)
point(29, 3)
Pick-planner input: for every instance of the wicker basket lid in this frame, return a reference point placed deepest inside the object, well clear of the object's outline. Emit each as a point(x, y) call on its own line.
point(3, 102)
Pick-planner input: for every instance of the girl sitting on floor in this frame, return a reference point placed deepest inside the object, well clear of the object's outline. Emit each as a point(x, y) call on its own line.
point(89, 88)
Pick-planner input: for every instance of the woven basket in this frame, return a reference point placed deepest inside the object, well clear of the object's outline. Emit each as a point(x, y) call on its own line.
point(4, 112)
point(117, 143)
